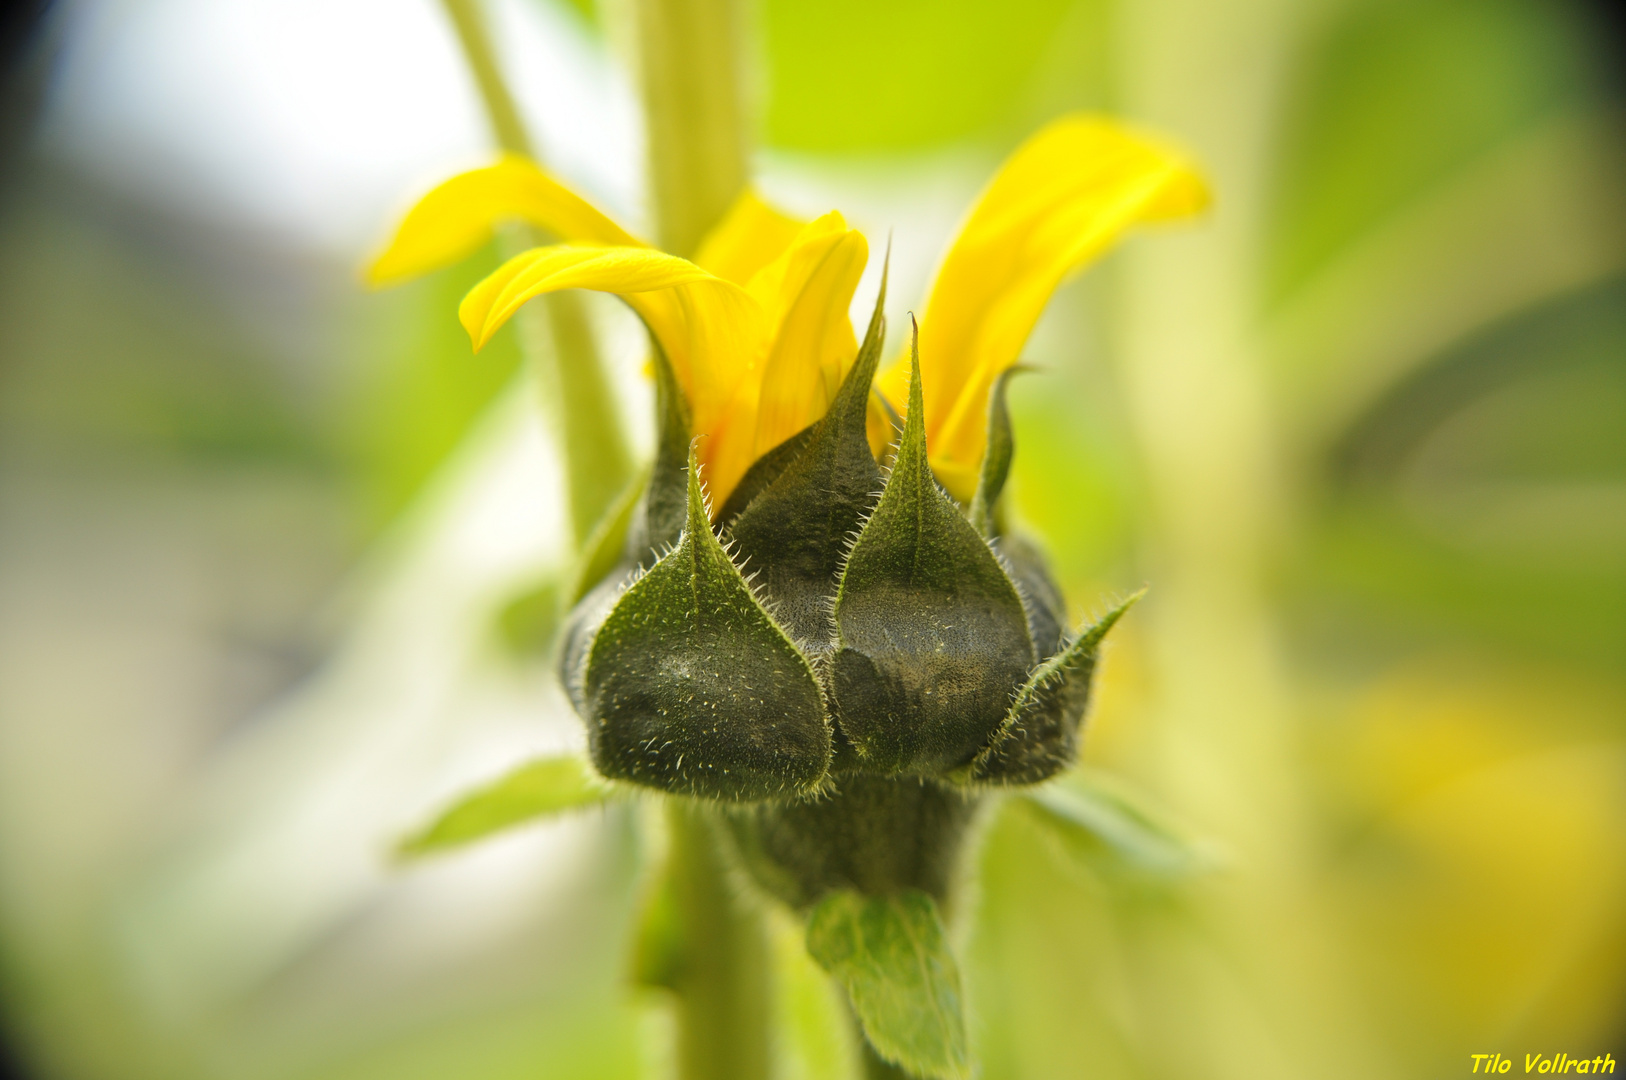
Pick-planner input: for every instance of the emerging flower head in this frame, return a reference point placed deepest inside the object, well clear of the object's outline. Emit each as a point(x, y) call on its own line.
point(756, 326)
point(889, 630)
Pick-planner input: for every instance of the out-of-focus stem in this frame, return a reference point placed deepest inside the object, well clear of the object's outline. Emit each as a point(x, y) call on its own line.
point(499, 103)
point(554, 332)
point(723, 984)
point(691, 74)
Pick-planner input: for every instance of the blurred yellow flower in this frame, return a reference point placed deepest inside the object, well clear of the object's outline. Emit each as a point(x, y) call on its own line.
point(756, 327)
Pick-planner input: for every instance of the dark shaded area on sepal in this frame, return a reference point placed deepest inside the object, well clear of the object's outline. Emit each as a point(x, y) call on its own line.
point(692, 687)
point(933, 636)
point(1046, 607)
point(763, 472)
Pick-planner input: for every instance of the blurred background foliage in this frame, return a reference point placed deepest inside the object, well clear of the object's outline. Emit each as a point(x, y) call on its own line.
point(1364, 431)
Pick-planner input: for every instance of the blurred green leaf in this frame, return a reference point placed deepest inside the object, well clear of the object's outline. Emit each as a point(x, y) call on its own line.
point(539, 789)
point(426, 386)
point(1397, 97)
point(1540, 215)
point(891, 955)
point(1575, 436)
point(1484, 497)
point(850, 75)
point(1102, 823)
point(529, 622)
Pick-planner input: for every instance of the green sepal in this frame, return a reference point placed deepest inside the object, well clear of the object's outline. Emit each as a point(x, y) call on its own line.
point(1047, 608)
point(996, 459)
point(665, 503)
point(692, 687)
point(797, 529)
point(1039, 736)
point(892, 957)
point(764, 471)
point(1105, 825)
point(642, 524)
point(532, 791)
point(933, 634)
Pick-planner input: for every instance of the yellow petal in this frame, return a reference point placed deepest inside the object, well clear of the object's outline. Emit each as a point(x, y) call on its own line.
point(456, 218)
point(813, 342)
point(878, 427)
point(751, 235)
point(777, 285)
point(711, 330)
point(1061, 199)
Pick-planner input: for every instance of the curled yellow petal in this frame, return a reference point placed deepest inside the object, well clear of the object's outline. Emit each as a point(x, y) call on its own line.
point(711, 330)
point(812, 342)
point(777, 284)
point(456, 218)
point(750, 236)
point(1061, 199)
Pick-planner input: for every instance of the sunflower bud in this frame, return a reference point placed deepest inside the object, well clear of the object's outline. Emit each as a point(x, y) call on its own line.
point(888, 655)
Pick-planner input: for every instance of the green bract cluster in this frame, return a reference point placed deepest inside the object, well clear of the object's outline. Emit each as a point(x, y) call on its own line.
point(847, 653)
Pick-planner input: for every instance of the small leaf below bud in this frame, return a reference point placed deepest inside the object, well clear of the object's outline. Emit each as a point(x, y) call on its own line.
point(893, 959)
point(538, 789)
point(933, 635)
point(1109, 827)
point(692, 687)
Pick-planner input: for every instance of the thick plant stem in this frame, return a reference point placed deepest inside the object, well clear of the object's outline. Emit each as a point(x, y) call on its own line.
point(554, 331)
point(722, 981)
point(691, 77)
point(581, 405)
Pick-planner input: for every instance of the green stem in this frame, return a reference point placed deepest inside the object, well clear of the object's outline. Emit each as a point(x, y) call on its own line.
point(690, 75)
point(723, 981)
point(555, 334)
point(501, 111)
